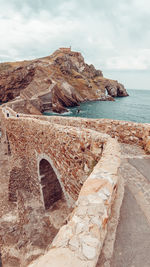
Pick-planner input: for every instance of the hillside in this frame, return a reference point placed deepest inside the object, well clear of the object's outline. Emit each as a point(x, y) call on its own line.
point(56, 82)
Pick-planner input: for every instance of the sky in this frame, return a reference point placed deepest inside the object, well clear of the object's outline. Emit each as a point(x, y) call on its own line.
point(113, 35)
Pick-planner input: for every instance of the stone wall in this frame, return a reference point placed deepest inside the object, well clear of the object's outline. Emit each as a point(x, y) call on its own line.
point(73, 147)
point(80, 241)
point(71, 152)
point(124, 131)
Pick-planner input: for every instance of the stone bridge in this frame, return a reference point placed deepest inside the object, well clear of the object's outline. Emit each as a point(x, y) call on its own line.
point(63, 174)
point(40, 147)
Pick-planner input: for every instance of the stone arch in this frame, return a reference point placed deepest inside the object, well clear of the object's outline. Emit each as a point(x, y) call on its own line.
point(51, 188)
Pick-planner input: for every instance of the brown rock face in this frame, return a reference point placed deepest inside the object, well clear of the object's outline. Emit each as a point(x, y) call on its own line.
point(13, 80)
point(56, 82)
point(116, 89)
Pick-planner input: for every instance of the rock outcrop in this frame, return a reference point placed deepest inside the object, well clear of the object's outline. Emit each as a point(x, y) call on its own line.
point(56, 82)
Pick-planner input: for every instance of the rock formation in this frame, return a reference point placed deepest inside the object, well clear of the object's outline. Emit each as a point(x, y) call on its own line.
point(56, 82)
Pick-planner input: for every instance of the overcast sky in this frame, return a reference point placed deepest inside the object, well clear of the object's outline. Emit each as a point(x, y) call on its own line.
point(114, 35)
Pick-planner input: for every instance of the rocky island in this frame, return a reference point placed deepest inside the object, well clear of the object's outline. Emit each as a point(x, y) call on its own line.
point(54, 83)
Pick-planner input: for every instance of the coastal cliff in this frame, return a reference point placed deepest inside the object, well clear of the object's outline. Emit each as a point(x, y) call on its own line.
point(56, 82)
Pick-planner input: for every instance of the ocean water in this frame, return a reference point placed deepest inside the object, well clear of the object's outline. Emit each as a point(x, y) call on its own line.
point(135, 107)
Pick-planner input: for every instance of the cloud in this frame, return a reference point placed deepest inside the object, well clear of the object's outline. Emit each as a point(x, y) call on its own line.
point(111, 34)
point(138, 60)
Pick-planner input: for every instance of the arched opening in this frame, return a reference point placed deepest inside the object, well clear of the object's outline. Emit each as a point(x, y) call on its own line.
point(50, 185)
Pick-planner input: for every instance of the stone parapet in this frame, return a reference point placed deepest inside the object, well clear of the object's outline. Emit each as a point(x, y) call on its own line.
point(80, 241)
point(125, 131)
point(72, 151)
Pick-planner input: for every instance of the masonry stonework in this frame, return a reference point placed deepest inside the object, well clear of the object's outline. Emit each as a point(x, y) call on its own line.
point(58, 162)
point(124, 131)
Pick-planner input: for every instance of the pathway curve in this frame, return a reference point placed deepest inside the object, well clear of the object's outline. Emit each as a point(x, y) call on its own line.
point(132, 245)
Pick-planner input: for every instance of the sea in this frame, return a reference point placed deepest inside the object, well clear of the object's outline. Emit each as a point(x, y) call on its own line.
point(135, 107)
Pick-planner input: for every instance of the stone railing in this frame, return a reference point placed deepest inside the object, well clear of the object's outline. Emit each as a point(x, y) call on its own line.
point(79, 242)
point(125, 131)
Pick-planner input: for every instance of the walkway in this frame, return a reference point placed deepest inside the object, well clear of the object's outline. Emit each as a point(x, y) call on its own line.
point(132, 245)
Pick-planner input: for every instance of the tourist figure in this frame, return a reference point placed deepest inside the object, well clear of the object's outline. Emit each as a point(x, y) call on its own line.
point(78, 110)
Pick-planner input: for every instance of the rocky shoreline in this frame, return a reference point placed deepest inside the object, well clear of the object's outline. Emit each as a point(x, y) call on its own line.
point(55, 82)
